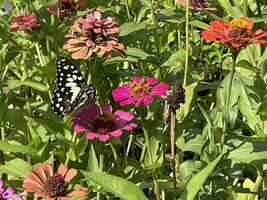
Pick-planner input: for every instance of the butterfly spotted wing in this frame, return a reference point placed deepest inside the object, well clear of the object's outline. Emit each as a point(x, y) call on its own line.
point(72, 93)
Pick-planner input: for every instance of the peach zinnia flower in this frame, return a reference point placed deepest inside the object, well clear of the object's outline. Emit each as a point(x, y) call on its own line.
point(141, 89)
point(93, 34)
point(236, 32)
point(24, 22)
point(48, 185)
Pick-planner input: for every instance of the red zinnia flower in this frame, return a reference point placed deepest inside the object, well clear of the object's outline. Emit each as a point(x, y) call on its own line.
point(44, 183)
point(236, 32)
point(101, 123)
point(141, 89)
point(25, 22)
point(65, 7)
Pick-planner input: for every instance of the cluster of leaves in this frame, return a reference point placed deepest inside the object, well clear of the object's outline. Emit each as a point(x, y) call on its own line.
point(221, 146)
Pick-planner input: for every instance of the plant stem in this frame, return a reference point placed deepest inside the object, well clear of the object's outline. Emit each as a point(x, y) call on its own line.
point(256, 185)
point(186, 69)
point(172, 135)
point(127, 9)
point(101, 163)
point(151, 160)
point(143, 152)
point(73, 141)
point(116, 158)
point(245, 8)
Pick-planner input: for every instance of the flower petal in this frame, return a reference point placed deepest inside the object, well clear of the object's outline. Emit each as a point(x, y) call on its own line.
point(103, 138)
point(8, 193)
point(121, 93)
point(148, 100)
point(124, 115)
point(116, 133)
point(62, 169)
point(152, 81)
point(106, 108)
point(78, 192)
point(71, 174)
point(159, 90)
point(90, 136)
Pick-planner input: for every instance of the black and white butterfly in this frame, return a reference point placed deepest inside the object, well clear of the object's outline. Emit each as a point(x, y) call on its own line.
point(72, 93)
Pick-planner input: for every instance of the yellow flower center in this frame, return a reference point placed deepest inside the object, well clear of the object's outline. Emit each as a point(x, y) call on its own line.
point(139, 89)
point(240, 23)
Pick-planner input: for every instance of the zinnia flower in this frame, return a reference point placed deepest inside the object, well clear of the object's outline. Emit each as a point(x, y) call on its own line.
point(197, 4)
point(236, 32)
point(141, 89)
point(93, 34)
point(65, 7)
point(25, 22)
point(102, 123)
point(8, 193)
point(48, 185)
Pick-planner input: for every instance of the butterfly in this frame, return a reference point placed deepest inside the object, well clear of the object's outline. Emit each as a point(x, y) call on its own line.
point(72, 92)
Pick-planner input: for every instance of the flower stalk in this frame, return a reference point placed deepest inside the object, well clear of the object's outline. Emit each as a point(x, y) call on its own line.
point(151, 160)
point(186, 68)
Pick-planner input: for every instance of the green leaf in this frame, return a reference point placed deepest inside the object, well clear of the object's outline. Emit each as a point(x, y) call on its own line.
point(199, 24)
point(35, 85)
point(92, 161)
point(194, 145)
point(17, 168)
point(5, 146)
point(234, 12)
point(130, 27)
point(198, 180)
point(136, 52)
point(120, 187)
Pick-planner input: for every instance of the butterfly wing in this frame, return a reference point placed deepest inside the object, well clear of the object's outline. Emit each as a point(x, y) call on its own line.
point(72, 92)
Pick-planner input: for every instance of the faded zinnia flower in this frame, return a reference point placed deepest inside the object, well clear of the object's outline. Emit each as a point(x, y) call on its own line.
point(141, 89)
point(8, 193)
point(24, 22)
point(65, 7)
point(43, 182)
point(236, 32)
point(102, 123)
point(196, 4)
point(93, 34)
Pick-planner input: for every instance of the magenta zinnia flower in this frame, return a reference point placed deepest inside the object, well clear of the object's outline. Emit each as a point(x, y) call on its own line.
point(8, 193)
point(141, 89)
point(102, 123)
point(43, 182)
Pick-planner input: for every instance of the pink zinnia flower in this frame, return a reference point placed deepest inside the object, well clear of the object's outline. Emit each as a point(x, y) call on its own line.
point(141, 89)
point(43, 182)
point(102, 123)
point(25, 22)
point(8, 193)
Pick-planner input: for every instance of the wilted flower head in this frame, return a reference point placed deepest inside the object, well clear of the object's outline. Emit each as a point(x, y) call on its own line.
point(93, 34)
point(43, 182)
point(24, 22)
point(236, 32)
point(141, 89)
point(102, 123)
point(176, 96)
point(8, 193)
point(65, 7)
point(196, 4)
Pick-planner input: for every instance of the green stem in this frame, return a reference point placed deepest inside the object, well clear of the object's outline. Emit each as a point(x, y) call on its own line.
point(127, 9)
point(245, 8)
point(186, 69)
point(256, 185)
point(172, 136)
point(40, 57)
point(116, 158)
point(150, 157)
point(73, 141)
point(101, 163)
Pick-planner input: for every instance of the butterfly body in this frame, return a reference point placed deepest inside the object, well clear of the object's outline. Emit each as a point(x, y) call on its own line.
point(72, 93)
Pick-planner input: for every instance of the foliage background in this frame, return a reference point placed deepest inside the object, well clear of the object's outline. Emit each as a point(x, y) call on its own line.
point(155, 35)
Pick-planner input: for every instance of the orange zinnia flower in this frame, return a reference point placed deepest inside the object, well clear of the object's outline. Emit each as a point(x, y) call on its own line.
point(44, 183)
point(236, 32)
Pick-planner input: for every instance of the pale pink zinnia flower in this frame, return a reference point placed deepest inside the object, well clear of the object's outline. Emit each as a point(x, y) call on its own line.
point(141, 89)
point(8, 193)
point(43, 182)
point(102, 123)
point(24, 22)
